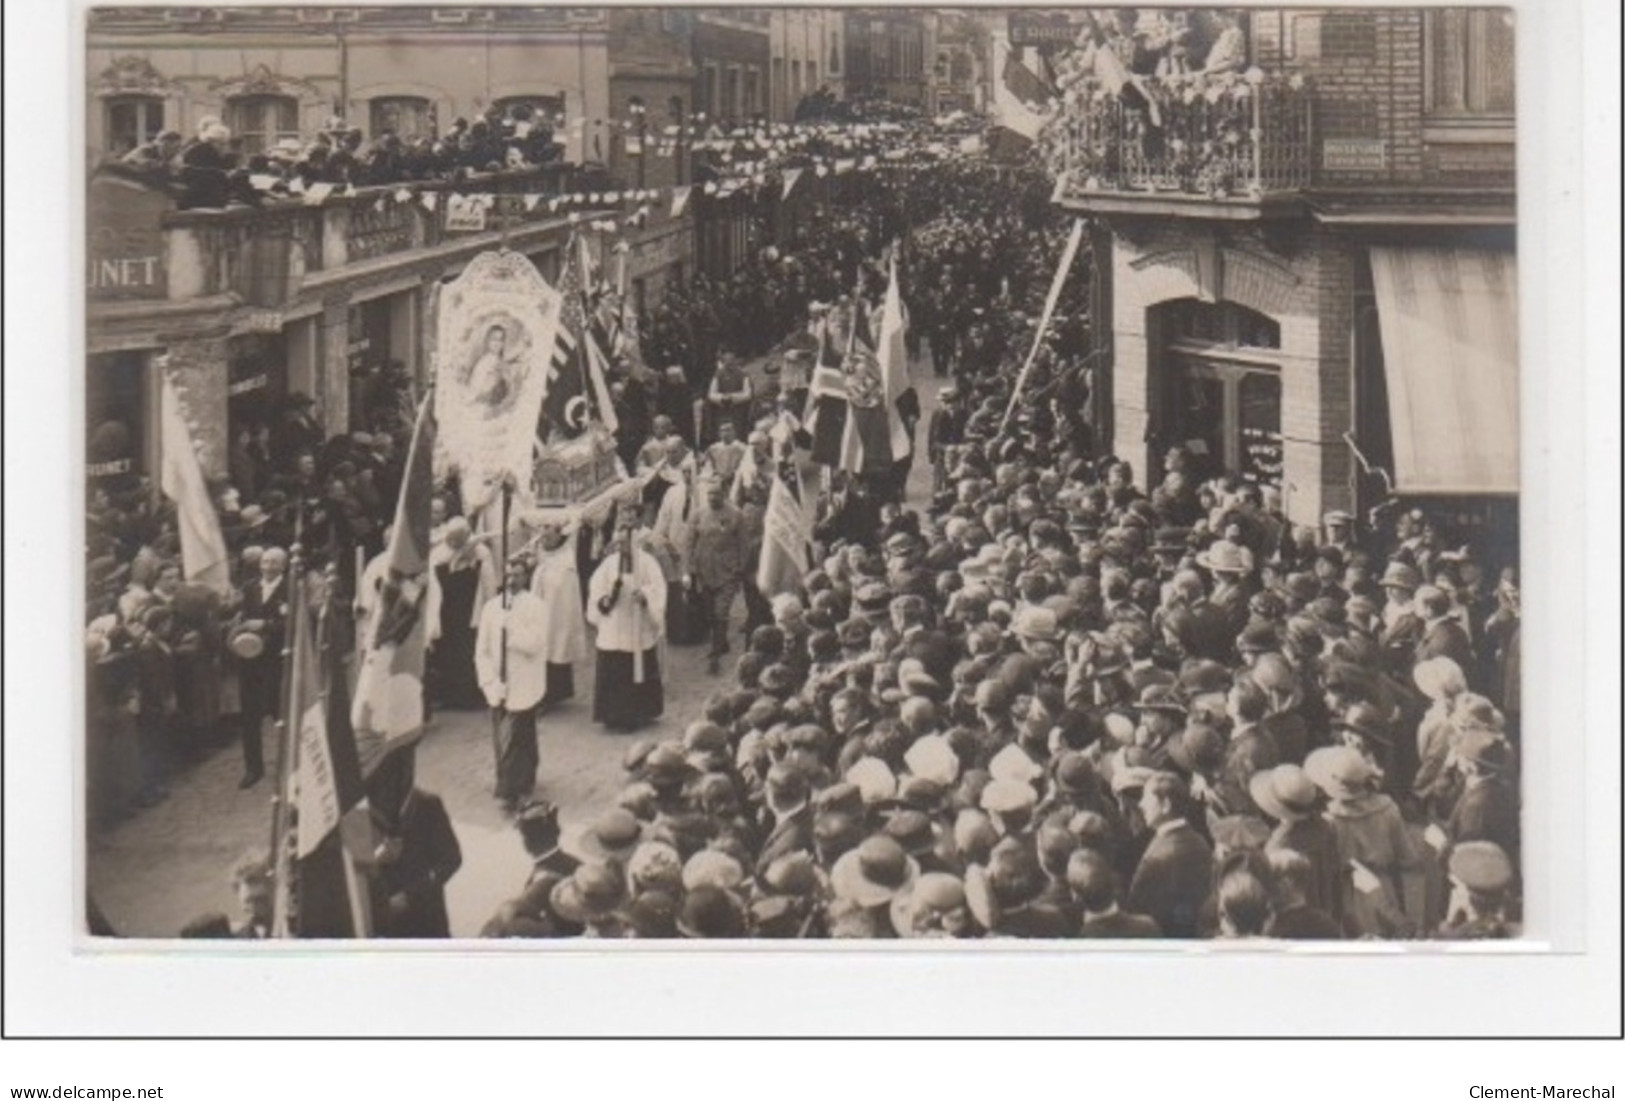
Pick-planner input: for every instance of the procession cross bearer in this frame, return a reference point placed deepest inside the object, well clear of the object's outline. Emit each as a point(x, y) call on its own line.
point(626, 603)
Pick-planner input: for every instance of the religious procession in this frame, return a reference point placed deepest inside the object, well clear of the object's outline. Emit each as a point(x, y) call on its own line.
point(917, 569)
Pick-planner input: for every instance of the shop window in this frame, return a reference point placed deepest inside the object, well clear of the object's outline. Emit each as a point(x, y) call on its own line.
point(1471, 63)
point(407, 116)
point(130, 121)
point(259, 122)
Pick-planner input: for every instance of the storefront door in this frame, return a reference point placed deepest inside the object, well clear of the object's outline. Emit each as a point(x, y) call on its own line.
point(1228, 417)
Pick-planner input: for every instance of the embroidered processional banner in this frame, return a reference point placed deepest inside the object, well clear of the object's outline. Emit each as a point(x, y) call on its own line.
point(497, 332)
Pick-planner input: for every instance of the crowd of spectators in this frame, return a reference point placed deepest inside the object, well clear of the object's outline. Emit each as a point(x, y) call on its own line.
point(213, 171)
point(1052, 704)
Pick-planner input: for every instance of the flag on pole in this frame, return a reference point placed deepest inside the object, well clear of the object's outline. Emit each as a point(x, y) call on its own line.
point(875, 436)
point(825, 415)
point(791, 175)
point(1019, 95)
point(679, 199)
point(1067, 256)
point(329, 769)
point(204, 558)
point(388, 709)
point(576, 391)
point(786, 534)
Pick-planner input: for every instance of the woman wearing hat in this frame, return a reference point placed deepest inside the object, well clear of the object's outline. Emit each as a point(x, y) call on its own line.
point(1286, 794)
point(1373, 843)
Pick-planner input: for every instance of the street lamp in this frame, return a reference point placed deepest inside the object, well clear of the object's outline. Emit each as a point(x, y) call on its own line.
point(641, 123)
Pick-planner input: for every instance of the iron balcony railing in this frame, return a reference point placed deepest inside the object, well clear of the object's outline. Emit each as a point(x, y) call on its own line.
point(1232, 135)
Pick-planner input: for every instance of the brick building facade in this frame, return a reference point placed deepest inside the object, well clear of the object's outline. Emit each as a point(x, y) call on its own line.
point(1268, 268)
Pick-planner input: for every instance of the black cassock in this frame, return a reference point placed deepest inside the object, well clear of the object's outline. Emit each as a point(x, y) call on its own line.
point(430, 855)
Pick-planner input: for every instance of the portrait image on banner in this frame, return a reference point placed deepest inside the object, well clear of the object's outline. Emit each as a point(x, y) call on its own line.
point(497, 325)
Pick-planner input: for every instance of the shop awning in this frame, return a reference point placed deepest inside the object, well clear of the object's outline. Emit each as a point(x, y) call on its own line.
point(1449, 320)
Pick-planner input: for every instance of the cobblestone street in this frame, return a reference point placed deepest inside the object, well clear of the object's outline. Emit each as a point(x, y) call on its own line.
point(155, 872)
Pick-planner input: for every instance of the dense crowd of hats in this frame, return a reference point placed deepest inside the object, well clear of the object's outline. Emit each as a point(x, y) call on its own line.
point(1055, 705)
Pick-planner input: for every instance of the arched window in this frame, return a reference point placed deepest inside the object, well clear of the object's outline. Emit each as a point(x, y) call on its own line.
point(260, 121)
point(131, 120)
point(407, 116)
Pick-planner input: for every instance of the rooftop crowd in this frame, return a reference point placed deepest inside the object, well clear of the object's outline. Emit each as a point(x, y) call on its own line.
point(1045, 704)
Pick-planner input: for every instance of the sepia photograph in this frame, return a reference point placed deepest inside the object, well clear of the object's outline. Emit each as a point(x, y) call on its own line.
point(802, 474)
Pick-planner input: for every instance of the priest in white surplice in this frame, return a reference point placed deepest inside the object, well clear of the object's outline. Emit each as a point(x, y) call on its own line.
point(626, 603)
point(557, 583)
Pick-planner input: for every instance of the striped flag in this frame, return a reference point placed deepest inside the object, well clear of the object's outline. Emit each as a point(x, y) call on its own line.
point(825, 415)
point(576, 391)
point(786, 534)
point(204, 557)
point(388, 708)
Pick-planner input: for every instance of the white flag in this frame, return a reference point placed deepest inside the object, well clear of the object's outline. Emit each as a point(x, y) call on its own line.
point(204, 557)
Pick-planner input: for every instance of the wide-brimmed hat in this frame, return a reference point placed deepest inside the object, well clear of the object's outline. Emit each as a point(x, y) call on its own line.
point(1161, 697)
point(1037, 624)
point(1013, 763)
point(913, 830)
point(918, 911)
point(792, 874)
point(1258, 638)
point(1226, 557)
point(932, 758)
point(711, 913)
point(1398, 575)
point(655, 865)
point(246, 644)
point(1340, 771)
point(592, 892)
point(712, 868)
point(1366, 721)
point(1481, 866)
point(874, 778)
point(1285, 793)
point(612, 836)
point(1008, 796)
point(874, 873)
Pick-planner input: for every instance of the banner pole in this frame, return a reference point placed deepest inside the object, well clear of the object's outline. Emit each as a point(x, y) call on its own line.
point(1043, 323)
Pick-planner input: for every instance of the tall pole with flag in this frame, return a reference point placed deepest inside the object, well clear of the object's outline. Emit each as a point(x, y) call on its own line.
point(204, 558)
point(876, 376)
point(388, 707)
point(1056, 284)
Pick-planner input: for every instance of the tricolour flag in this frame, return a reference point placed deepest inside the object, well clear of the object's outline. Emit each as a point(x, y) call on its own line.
point(388, 709)
point(1019, 95)
point(204, 558)
point(876, 376)
point(786, 534)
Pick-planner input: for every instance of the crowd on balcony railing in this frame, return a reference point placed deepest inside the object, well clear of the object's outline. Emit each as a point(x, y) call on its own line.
point(1168, 100)
point(212, 171)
